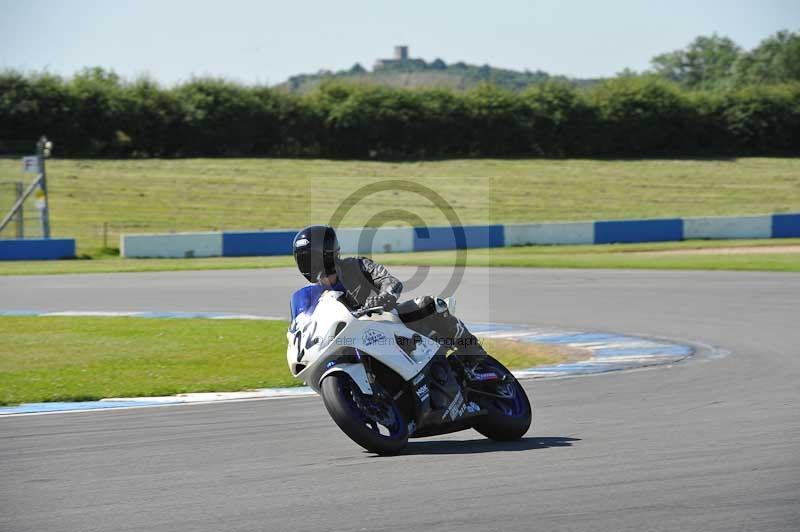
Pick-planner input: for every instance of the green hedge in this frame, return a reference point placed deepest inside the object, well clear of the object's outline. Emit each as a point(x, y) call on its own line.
point(97, 114)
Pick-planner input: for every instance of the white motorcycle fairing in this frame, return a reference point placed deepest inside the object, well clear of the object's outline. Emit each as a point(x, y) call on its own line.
point(317, 339)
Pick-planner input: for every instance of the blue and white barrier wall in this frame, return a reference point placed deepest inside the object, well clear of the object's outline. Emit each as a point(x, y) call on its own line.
point(173, 245)
point(383, 240)
point(37, 249)
point(395, 239)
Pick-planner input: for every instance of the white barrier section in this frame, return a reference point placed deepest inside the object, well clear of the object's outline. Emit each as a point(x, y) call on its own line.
point(549, 233)
point(728, 227)
point(174, 245)
point(384, 240)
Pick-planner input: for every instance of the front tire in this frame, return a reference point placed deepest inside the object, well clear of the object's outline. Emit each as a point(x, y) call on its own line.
point(509, 413)
point(373, 422)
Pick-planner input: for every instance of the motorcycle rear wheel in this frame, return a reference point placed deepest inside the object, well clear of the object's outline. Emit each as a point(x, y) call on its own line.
point(509, 413)
point(363, 417)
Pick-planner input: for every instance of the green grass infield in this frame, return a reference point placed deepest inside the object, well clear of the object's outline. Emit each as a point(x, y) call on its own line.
point(87, 358)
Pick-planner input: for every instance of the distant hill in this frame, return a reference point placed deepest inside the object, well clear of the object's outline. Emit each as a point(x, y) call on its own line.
point(405, 72)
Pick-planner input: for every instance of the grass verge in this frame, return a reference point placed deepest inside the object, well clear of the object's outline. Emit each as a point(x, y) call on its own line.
point(88, 358)
point(599, 256)
point(163, 195)
point(625, 256)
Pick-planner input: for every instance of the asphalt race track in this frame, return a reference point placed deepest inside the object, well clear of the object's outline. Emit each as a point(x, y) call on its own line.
point(712, 444)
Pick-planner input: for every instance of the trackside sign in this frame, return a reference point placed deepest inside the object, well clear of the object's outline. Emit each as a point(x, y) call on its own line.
point(30, 164)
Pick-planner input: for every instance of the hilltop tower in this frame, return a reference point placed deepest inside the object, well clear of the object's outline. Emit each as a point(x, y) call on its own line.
point(401, 53)
point(400, 56)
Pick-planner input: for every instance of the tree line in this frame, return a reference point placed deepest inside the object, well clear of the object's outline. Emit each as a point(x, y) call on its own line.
point(97, 114)
point(708, 62)
point(716, 61)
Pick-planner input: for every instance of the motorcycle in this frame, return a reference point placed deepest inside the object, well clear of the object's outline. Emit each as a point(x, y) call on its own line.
point(383, 383)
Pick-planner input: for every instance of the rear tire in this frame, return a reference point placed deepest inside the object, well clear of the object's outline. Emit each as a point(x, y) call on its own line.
point(507, 419)
point(342, 397)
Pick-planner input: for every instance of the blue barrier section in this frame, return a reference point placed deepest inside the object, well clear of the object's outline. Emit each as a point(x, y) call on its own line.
point(785, 225)
point(257, 243)
point(473, 236)
point(638, 231)
point(37, 249)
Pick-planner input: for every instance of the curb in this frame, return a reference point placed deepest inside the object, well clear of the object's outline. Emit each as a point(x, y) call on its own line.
point(610, 352)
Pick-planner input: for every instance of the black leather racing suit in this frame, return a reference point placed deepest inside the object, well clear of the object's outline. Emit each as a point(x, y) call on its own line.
point(363, 277)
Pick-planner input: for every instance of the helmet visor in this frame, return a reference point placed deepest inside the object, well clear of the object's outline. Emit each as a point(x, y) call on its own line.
point(303, 258)
point(314, 265)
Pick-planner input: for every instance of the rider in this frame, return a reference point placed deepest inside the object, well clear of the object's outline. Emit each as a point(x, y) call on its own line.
point(367, 284)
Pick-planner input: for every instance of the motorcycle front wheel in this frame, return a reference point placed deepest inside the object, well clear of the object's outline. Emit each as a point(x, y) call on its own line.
point(375, 423)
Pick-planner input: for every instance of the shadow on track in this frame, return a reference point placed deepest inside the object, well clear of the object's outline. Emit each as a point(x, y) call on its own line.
point(478, 446)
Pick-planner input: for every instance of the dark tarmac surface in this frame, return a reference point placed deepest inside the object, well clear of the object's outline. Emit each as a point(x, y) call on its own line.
point(712, 444)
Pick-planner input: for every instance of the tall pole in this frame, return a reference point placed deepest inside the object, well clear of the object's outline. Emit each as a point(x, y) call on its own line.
point(20, 212)
point(41, 152)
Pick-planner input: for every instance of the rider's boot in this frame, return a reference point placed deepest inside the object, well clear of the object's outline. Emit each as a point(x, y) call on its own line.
point(432, 317)
point(454, 330)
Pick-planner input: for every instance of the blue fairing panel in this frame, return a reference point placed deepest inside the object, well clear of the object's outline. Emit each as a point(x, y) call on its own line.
point(305, 299)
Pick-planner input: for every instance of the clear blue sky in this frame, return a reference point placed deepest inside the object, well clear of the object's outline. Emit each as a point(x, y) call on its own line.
point(267, 41)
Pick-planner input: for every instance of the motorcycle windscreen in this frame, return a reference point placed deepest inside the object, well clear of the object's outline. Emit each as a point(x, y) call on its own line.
point(305, 300)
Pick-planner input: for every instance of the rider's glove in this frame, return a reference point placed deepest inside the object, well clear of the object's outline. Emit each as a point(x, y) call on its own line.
point(385, 301)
